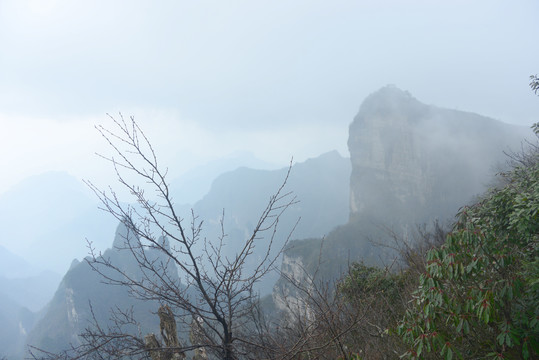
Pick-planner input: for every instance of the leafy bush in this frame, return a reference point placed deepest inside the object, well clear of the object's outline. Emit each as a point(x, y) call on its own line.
point(479, 296)
point(380, 296)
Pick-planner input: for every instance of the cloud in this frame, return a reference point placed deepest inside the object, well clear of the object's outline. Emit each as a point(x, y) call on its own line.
point(31, 145)
point(273, 78)
point(263, 64)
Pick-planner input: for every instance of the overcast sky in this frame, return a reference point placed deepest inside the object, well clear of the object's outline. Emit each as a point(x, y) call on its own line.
point(276, 78)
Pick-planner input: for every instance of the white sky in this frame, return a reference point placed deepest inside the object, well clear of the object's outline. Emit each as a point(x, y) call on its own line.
point(277, 78)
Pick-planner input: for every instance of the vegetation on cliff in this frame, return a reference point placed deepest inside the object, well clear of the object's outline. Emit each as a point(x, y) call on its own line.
point(476, 295)
point(479, 295)
point(472, 292)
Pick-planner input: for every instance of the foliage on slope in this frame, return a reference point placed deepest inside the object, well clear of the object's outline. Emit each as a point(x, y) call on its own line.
point(479, 295)
point(474, 295)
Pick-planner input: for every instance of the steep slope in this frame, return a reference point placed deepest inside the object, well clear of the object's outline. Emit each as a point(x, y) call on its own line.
point(46, 218)
point(320, 184)
point(69, 312)
point(411, 164)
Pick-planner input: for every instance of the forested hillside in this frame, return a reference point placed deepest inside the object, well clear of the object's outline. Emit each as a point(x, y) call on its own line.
point(471, 292)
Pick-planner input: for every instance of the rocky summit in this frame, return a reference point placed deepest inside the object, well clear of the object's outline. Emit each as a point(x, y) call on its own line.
point(412, 164)
point(416, 162)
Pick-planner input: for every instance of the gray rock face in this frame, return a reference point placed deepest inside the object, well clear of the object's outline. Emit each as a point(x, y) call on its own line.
point(320, 184)
point(69, 312)
point(413, 162)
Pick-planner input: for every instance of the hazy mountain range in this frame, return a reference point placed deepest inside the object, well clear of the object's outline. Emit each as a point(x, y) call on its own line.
point(412, 164)
point(82, 292)
point(409, 163)
point(320, 184)
point(47, 217)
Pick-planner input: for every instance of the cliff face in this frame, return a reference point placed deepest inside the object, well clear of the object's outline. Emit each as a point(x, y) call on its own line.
point(69, 312)
point(287, 298)
point(320, 184)
point(412, 162)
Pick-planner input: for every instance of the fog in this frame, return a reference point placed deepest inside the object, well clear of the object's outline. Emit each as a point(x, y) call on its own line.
point(273, 78)
point(217, 85)
point(230, 93)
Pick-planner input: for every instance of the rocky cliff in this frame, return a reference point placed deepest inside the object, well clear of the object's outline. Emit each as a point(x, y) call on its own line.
point(83, 291)
point(321, 186)
point(413, 162)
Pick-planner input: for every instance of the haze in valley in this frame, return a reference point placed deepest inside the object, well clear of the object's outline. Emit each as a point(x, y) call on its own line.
point(217, 85)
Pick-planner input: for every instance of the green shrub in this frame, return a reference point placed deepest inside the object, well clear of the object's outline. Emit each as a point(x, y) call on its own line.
point(479, 296)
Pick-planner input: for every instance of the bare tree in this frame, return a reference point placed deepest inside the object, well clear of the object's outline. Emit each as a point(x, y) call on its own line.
point(319, 319)
point(214, 291)
point(354, 316)
point(534, 83)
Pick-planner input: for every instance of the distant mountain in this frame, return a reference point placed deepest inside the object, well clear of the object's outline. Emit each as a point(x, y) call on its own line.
point(411, 164)
point(193, 185)
point(14, 266)
point(69, 313)
point(46, 219)
point(320, 184)
point(62, 214)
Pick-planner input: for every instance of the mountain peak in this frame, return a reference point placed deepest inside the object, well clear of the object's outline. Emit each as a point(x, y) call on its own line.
point(409, 155)
point(389, 100)
point(123, 236)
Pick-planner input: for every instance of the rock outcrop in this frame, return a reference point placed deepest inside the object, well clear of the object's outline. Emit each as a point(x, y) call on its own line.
point(69, 312)
point(321, 186)
point(413, 162)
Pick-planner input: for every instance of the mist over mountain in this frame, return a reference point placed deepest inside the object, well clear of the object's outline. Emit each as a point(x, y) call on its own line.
point(411, 164)
point(317, 182)
point(321, 183)
point(46, 219)
point(63, 214)
point(193, 185)
point(222, 95)
point(69, 311)
point(321, 186)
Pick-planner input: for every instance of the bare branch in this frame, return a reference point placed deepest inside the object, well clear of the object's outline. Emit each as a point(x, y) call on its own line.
point(215, 292)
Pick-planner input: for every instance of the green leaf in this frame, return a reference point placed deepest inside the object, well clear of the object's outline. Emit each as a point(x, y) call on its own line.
point(525, 351)
point(459, 327)
point(500, 338)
